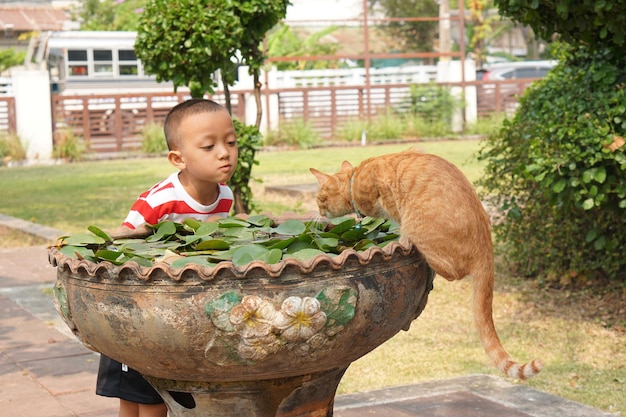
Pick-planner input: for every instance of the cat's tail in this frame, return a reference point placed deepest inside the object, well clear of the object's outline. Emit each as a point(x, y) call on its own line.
point(483, 316)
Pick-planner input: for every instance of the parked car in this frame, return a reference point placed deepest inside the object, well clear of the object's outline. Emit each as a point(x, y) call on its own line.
point(502, 95)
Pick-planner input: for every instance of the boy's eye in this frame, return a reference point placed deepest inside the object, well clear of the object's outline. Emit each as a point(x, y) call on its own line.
point(209, 147)
point(232, 143)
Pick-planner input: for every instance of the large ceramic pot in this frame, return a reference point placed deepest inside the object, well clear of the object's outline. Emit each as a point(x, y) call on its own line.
point(258, 340)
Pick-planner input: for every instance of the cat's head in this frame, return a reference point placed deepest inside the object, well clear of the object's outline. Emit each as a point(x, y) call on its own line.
point(333, 196)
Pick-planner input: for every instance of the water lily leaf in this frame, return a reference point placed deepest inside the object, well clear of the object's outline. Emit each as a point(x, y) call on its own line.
point(232, 222)
point(193, 224)
point(198, 260)
point(299, 245)
point(99, 232)
point(280, 243)
point(164, 230)
point(260, 220)
point(291, 228)
point(207, 228)
point(141, 261)
point(305, 254)
point(213, 244)
point(373, 224)
point(327, 244)
point(226, 255)
point(364, 244)
point(354, 235)
point(109, 255)
point(77, 252)
point(248, 253)
point(83, 240)
point(189, 239)
point(343, 226)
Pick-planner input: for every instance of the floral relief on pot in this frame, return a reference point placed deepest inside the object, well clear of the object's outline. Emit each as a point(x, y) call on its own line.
point(251, 328)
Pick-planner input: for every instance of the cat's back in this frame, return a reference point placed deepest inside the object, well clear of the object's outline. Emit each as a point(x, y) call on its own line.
point(413, 163)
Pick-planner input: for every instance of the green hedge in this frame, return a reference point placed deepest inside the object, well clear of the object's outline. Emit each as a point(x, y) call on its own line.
point(558, 171)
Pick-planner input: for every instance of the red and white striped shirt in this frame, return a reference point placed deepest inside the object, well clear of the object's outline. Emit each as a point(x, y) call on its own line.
point(169, 200)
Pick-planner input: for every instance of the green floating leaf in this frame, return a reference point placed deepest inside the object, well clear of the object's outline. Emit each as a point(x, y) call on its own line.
point(327, 244)
point(207, 228)
point(141, 261)
point(193, 224)
point(213, 244)
point(291, 228)
point(163, 230)
point(198, 260)
point(232, 222)
point(99, 232)
point(260, 220)
point(84, 240)
point(280, 243)
point(246, 254)
point(343, 226)
point(77, 252)
point(109, 255)
point(305, 254)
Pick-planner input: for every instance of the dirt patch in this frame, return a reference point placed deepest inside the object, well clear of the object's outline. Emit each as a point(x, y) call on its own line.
point(601, 301)
point(13, 238)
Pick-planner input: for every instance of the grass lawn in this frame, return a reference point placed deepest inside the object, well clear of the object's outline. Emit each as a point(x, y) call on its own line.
point(579, 334)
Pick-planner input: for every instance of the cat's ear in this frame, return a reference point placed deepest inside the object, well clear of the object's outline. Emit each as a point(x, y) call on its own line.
point(321, 177)
point(346, 166)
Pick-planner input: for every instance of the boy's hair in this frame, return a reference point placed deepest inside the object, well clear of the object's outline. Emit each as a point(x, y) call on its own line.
point(180, 112)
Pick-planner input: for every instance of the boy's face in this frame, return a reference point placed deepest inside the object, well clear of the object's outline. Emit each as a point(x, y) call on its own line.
point(208, 147)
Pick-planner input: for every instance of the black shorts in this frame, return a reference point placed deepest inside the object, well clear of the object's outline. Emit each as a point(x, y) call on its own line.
point(119, 381)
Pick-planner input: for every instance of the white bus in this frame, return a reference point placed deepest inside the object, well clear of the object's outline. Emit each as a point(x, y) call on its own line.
point(94, 62)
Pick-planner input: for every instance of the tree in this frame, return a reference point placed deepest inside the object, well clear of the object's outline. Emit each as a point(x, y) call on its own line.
point(10, 58)
point(188, 41)
point(557, 170)
point(595, 23)
point(284, 42)
point(415, 36)
point(108, 14)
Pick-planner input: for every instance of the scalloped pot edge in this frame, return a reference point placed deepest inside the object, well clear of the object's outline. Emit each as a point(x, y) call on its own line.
point(131, 269)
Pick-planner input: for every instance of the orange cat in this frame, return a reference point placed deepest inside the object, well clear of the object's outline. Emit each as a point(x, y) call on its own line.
point(440, 213)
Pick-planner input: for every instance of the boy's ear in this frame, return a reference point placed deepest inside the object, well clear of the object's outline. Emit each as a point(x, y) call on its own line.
point(176, 159)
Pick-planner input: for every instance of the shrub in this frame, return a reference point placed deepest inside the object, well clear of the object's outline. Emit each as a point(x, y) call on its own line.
point(11, 148)
point(433, 103)
point(558, 170)
point(249, 141)
point(296, 132)
point(153, 141)
point(351, 130)
point(68, 146)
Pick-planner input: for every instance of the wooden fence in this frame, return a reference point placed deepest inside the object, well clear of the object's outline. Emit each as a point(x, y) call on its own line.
point(113, 123)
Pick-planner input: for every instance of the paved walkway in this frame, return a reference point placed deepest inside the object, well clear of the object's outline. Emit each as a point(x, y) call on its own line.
point(46, 372)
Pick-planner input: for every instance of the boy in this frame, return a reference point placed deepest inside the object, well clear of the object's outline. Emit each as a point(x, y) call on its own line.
point(203, 147)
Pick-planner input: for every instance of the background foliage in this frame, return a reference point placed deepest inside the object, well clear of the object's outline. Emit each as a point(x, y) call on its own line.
point(557, 170)
point(595, 23)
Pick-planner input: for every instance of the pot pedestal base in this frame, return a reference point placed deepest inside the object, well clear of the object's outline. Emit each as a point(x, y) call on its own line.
point(300, 396)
